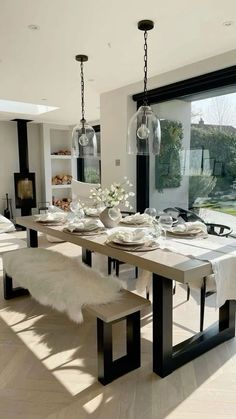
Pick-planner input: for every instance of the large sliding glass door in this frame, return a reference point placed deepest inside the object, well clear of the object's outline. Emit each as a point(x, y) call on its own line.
point(196, 168)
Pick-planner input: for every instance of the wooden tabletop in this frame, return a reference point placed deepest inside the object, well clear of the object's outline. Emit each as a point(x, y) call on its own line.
point(162, 262)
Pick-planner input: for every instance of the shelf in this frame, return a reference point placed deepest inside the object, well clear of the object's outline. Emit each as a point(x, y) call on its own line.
point(61, 157)
point(61, 186)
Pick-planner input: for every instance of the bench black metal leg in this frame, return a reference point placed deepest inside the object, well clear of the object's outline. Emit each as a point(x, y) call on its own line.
point(109, 369)
point(109, 265)
point(9, 291)
point(166, 357)
point(87, 256)
point(117, 268)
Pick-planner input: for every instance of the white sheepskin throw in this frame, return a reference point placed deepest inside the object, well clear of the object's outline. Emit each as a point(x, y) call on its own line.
point(59, 281)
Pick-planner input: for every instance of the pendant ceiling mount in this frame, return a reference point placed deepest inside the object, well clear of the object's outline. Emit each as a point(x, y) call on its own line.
point(145, 25)
point(81, 58)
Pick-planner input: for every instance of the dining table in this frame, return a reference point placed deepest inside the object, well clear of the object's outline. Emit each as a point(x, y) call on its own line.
point(166, 267)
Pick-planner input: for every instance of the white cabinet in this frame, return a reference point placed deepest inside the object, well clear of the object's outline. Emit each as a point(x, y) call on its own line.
point(58, 168)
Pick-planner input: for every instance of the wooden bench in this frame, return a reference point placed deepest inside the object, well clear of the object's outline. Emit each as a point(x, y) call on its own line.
point(127, 307)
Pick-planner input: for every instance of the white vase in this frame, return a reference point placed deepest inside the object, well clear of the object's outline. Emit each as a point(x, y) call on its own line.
point(110, 217)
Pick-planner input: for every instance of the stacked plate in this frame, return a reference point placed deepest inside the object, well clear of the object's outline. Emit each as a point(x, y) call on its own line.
point(84, 227)
point(51, 219)
point(131, 241)
point(188, 230)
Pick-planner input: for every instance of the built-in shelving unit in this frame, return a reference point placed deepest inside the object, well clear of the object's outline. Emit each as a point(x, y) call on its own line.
point(57, 138)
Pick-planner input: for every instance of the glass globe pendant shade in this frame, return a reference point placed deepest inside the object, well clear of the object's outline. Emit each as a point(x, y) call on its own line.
point(144, 133)
point(84, 142)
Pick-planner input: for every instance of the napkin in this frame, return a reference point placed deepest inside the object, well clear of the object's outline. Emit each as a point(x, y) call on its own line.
point(134, 236)
point(92, 211)
point(82, 225)
point(195, 227)
point(137, 219)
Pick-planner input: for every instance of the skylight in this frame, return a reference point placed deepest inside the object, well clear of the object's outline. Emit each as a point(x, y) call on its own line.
point(24, 108)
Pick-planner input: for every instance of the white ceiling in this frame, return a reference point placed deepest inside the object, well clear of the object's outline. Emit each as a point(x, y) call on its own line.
point(37, 65)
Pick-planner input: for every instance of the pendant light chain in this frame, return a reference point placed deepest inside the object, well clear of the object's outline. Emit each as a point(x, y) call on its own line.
point(145, 69)
point(82, 91)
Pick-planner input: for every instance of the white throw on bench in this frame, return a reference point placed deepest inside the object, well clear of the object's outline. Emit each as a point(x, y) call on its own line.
point(67, 285)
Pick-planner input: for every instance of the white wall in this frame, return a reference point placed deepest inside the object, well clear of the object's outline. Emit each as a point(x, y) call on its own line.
point(9, 160)
point(117, 106)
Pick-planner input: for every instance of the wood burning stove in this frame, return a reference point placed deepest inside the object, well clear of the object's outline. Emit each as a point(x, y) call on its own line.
point(25, 190)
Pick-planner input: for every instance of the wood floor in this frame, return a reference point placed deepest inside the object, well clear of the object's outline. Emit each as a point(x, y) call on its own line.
point(48, 366)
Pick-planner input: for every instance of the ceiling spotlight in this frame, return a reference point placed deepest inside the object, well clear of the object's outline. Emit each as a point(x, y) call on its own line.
point(228, 23)
point(34, 27)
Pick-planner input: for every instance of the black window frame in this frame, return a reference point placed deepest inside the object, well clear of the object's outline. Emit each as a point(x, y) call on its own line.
point(203, 83)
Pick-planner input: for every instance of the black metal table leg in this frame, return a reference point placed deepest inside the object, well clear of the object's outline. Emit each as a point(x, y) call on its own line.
point(162, 325)
point(32, 238)
point(87, 256)
point(166, 357)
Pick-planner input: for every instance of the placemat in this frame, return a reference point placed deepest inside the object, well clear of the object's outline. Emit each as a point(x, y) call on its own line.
point(135, 248)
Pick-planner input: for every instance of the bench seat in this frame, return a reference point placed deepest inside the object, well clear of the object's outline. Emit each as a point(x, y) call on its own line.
point(126, 306)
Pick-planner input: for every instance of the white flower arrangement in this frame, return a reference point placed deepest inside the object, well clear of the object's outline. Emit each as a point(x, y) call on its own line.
point(114, 195)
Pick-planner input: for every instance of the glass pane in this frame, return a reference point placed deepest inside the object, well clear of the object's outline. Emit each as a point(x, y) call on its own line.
point(92, 170)
point(196, 168)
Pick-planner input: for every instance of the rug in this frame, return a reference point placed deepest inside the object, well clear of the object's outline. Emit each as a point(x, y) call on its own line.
point(59, 281)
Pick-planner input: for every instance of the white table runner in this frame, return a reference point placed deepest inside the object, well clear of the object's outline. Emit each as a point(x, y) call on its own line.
point(220, 252)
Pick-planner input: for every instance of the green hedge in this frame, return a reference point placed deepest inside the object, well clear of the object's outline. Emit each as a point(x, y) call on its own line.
point(167, 164)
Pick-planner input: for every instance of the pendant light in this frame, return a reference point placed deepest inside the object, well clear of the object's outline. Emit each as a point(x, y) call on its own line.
point(84, 142)
point(144, 133)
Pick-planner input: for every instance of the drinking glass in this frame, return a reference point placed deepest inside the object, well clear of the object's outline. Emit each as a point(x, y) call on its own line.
point(165, 221)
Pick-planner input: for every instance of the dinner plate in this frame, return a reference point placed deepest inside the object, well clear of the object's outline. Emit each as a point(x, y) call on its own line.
point(185, 233)
point(85, 229)
point(141, 224)
point(51, 222)
point(126, 243)
point(99, 230)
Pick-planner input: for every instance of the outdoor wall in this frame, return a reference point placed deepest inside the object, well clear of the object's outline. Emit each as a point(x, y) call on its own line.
point(117, 106)
point(10, 161)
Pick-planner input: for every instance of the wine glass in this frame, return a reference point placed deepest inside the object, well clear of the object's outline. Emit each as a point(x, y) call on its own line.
point(165, 221)
point(77, 210)
point(151, 211)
